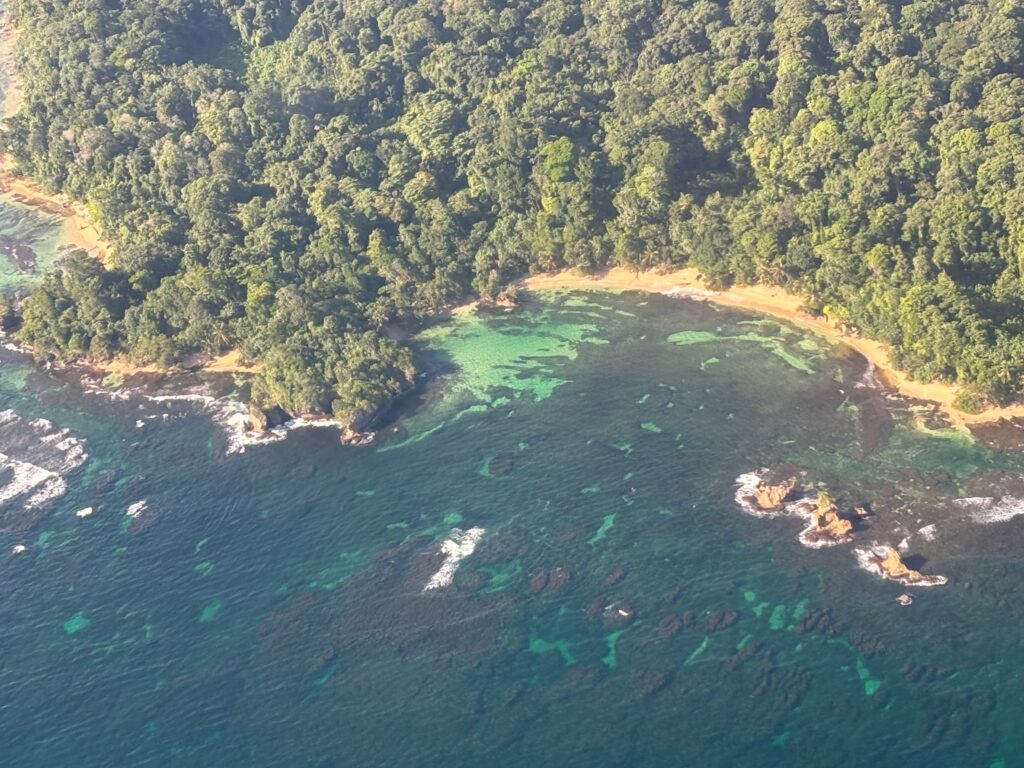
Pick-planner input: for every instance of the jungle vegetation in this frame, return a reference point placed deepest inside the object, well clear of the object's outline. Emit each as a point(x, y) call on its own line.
point(292, 176)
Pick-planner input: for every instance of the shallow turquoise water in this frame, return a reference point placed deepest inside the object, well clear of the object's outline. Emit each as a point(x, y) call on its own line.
point(29, 227)
point(267, 608)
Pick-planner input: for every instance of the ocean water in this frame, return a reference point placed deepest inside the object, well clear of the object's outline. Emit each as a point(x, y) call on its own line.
point(540, 561)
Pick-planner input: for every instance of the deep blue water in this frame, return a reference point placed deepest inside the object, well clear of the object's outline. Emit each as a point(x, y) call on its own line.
point(267, 608)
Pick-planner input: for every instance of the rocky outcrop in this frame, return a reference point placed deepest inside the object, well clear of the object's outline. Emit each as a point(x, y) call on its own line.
point(266, 419)
point(886, 562)
point(350, 436)
point(826, 527)
point(769, 496)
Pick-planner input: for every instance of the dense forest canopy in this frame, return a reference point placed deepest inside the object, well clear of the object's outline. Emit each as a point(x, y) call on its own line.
point(289, 176)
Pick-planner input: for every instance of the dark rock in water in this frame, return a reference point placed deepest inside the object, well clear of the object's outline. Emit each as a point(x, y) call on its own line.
point(876, 423)
point(924, 673)
point(866, 645)
point(514, 693)
point(671, 624)
point(752, 649)
point(614, 577)
point(818, 621)
point(304, 470)
point(104, 481)
point(673, 594)
point(502, 464)
point(21, 256)
point(471, 581)
point(538, 582)
point(596, 607)
point(721, 620)
point(617, 615)
point(646, 683)
point(1004, 434)
point(784, 687)
point(687, 617)
point(350, 436)
point(265, 419)
point(577, 679)
point(560, 578)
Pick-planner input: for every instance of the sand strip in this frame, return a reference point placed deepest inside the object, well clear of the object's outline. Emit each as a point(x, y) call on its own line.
point(776, 302)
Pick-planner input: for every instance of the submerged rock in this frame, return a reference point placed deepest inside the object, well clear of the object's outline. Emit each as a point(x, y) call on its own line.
point(886, 562)
point(615, 577)
point(351, 436)
point(617, 615)
point(721, 620)
point(560, 577)
point(538, 582)
point(671, 624)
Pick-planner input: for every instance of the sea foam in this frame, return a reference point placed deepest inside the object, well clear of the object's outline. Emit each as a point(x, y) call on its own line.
point(458, 546)
point(988, 509)
point(36, 458)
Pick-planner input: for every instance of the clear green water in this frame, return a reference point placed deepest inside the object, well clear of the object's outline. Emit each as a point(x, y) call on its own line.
point(31, 227)
point(267, 608)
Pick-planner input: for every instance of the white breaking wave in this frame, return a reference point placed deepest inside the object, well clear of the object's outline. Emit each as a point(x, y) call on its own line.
point(458, 546)
point(233, 418)
point(84, 512)
point(35, 460)
point(688, 292)
point(988, 509)
point(137, 508)
point(869, 379)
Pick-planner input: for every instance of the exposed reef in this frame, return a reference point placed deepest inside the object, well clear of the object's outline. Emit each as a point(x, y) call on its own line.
point(771, 497)
point(826, 528)
point(885, 561)
point(761, 498)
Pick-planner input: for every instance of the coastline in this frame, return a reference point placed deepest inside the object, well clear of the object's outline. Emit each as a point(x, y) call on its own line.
point(79, 228)
point(778, 303)
point(229, 362)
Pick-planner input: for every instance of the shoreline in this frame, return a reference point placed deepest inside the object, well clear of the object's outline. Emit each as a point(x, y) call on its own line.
point(78, 227)
point(777, 303)
point(229, 362)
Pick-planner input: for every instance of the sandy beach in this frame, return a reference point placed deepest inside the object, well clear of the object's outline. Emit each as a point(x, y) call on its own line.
point(229, 362)
point(779, 303)
point(78, 228)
